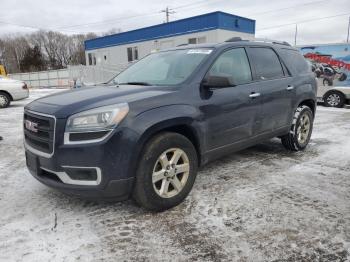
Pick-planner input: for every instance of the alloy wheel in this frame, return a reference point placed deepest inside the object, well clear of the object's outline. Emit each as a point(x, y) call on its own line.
point(333, 99)
point(303, 129)
point(3, 101)
point(170, 173)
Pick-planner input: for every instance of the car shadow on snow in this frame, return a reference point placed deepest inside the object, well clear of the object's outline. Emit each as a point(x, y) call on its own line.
point(263, 153)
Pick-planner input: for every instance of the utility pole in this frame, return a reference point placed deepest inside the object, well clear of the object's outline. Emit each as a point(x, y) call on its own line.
point(296, 34)
point(347, 39)
point(168, 11)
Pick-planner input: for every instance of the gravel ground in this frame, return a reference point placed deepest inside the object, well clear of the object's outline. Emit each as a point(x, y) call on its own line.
point(260, 204)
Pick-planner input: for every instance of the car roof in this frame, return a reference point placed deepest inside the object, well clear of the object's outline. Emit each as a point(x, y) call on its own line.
point(269, 43)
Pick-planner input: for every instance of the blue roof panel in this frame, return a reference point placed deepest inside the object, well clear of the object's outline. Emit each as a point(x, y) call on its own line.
point(210, 21)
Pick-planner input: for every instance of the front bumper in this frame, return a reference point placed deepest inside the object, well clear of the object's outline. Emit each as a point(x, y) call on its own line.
point(111, 159)
point(116, 190)
point(20, 94)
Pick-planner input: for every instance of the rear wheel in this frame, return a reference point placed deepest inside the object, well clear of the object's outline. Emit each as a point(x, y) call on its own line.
point(166, 172)
point(299, 135)
point(334, 99)
point(5, 100)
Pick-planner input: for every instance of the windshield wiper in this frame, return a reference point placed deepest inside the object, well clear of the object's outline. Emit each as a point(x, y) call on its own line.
point(136, 83)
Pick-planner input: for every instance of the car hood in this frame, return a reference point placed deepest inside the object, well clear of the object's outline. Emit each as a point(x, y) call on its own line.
point(4, 80)
point(66, 103)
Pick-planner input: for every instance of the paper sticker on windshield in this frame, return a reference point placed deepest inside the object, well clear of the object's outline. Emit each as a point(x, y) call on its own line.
point(199, 51)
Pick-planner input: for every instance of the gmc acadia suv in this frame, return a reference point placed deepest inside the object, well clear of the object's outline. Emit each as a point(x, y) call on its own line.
point(145, 133)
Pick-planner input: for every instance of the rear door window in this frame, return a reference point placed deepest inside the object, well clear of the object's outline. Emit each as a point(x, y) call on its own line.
point(266, 63)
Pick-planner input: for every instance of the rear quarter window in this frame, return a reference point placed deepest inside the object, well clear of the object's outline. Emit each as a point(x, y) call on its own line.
point(295, 60)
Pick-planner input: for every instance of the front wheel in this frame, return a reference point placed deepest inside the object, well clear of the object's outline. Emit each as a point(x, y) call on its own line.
point(166, 172)
point(299, 135)
point(5, 100)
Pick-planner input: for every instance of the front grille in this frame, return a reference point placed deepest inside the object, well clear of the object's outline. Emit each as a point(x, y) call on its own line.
point(42, 137)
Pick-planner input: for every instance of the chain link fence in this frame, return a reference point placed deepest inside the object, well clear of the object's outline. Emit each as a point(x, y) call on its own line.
point(70, 77)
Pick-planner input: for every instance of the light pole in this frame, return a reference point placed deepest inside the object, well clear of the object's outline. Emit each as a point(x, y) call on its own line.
point(347, 39)
point(296, 34)
point(167, 12)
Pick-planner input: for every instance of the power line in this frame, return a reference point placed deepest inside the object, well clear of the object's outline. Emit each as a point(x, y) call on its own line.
point(106, 21)
point(129, 17)
point(303, 21)
point(188, 5)
point(290, 7)
point(30, 26)
point(21, 25)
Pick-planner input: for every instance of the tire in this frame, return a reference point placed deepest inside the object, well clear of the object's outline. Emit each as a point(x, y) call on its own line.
point(292, 141)
point(5, 100)
point(149, 191)
point(334, 99)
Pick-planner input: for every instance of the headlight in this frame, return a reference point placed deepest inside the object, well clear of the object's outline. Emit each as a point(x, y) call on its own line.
point(94, 124)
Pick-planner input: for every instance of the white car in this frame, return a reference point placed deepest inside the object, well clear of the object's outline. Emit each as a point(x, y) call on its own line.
point(333, 96)
point(12, 90)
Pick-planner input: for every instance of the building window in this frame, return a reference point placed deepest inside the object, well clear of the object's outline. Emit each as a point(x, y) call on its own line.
point(136, 53)
point(129, 51)
point(197, 40)
point(192, 40)
point(133, 53)
point(90, 59)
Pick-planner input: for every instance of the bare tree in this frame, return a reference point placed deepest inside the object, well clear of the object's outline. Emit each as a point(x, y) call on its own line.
point(12, 52)
point(56, 49)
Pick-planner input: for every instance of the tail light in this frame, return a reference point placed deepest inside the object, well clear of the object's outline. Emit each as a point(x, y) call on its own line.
point(25, 86)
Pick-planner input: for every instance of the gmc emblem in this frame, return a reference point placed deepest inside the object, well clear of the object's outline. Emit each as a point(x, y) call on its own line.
point(31, 126)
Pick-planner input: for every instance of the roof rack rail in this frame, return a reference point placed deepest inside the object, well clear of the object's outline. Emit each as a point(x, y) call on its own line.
point(265, 40)
point(235, 39)
point(181, 45)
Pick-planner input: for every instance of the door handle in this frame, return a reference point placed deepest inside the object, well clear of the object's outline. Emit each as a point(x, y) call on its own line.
point(254, 95)
point(290, 88)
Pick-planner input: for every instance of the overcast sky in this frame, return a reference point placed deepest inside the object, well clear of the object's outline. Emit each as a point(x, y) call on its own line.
point(81, 16)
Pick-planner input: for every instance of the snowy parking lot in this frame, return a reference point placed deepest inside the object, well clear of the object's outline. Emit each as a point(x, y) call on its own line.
point(260, 204)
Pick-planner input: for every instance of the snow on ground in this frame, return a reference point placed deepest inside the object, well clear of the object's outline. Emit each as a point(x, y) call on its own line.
point(260, 204)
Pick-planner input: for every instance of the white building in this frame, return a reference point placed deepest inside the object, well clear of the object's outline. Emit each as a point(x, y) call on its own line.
point(119, 49)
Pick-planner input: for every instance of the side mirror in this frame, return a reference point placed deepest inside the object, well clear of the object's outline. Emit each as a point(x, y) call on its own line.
point(213, 82)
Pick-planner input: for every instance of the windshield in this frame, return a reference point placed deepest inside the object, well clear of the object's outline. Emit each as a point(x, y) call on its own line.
point(163, 68)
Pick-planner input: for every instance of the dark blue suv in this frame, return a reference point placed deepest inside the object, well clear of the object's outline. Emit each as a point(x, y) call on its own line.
point(145, 132)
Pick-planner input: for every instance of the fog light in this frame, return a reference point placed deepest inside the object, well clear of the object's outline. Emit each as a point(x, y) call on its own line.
point(84, 174)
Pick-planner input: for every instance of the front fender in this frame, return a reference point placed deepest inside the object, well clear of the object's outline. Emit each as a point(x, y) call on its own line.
point(148, 123)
